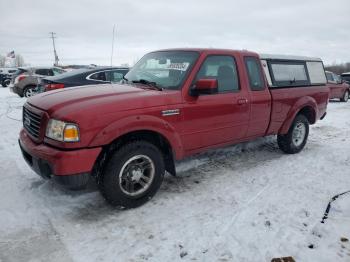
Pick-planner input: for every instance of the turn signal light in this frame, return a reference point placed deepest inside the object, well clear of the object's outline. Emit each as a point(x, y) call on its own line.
point(71, 133)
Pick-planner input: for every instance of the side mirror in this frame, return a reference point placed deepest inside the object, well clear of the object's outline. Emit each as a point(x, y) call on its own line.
point(205, 86)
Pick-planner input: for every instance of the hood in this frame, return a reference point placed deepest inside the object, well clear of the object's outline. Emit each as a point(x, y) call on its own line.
point(93, 97)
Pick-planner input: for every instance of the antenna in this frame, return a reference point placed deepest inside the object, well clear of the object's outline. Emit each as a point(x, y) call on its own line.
point(112, 45)
point(54, 48)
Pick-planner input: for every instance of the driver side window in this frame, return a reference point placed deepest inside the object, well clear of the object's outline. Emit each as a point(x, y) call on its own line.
point(224, 69)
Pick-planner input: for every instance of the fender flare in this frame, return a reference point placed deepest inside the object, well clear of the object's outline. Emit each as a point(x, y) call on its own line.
point(140, 123)
point(301, 103)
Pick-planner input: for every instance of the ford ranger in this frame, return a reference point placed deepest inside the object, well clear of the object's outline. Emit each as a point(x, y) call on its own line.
point(172, 104)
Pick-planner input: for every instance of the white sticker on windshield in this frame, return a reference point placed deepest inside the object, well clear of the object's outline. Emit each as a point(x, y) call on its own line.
point(178, 66)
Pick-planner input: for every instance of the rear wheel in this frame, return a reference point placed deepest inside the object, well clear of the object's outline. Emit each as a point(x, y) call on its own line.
point(6, 82)
point(345, 97)
point(132, 175)
point(29, 91)
point(295, 140)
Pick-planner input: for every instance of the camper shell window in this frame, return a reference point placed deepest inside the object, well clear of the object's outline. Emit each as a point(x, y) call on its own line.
point(316, 72)
point(292, 71)
point(286, 73)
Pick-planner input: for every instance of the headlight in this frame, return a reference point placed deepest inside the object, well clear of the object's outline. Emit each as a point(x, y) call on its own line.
point(62, 131)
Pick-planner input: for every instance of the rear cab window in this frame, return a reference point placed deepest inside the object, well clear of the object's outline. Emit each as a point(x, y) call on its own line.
point(253, 67)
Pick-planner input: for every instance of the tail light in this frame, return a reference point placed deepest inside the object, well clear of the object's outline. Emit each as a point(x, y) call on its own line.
point(21, 77)
point(49, 87)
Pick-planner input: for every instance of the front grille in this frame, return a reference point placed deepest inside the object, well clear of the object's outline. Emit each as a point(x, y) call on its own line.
point(31, 122)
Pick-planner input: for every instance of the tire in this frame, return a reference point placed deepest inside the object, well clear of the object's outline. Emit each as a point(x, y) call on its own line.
point(6, 82)
point(294, 141)
point(345, 97)
point(28, 91)
point(142, 159)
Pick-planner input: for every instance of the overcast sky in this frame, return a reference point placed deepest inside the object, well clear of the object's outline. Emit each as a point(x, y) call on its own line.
point(84, 28)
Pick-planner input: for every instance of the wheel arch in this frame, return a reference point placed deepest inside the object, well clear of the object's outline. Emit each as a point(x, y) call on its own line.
point(309, 112)
point(151, 136)
point(306, 106)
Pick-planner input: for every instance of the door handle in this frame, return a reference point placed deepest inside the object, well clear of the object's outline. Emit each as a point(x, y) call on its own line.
point(242, 101)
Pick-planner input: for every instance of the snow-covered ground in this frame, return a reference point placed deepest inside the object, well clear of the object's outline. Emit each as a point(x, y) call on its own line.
point(249, 202)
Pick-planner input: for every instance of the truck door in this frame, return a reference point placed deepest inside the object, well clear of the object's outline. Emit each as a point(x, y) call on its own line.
point(221, 117)
point(332, 84)
point(339, 85)
point(260, 98)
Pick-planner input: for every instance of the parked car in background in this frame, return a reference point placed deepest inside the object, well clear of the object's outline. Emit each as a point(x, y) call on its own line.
point(82, 77)
point(172, 104)
point(5, 76)
point(338, 88)
point(20, 70)
point(346, 77)
point(25, 80)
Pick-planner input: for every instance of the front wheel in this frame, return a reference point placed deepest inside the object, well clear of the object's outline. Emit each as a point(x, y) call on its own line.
point(133, 175)
point(295, 140)
point(345, 96)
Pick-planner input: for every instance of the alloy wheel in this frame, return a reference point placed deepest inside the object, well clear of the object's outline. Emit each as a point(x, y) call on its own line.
point(136, 175)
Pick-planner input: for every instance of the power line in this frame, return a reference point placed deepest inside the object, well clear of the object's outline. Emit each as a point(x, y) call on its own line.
point(54, 48)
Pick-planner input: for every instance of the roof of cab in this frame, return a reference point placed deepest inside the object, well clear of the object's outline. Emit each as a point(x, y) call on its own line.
point(289, 57)
point(245, 52)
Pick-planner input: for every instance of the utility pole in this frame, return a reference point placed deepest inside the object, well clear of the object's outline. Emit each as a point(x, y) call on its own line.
point(54, 48)
point(112, 46)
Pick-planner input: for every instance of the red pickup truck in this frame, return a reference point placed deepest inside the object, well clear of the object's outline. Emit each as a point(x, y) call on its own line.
point(172, 104)
point(338, 88)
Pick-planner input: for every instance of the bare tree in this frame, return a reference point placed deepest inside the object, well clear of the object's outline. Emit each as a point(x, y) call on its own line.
point(2, 61)
point(19, 61)
point(338, 68)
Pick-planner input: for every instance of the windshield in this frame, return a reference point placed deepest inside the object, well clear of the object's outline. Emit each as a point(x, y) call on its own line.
point(166, 69)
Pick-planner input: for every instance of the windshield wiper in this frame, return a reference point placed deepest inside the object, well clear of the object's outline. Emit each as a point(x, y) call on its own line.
point(125, 80)
point(149, 83)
